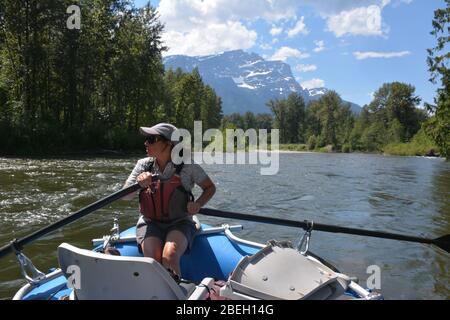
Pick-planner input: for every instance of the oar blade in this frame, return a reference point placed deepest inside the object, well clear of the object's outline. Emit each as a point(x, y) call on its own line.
point(443, 242)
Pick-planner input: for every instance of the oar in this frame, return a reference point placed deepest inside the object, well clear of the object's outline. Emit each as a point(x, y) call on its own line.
point(441, 242)
point(18, 244)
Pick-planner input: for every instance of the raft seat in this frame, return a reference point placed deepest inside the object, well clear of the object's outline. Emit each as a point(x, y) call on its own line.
point(97, 276)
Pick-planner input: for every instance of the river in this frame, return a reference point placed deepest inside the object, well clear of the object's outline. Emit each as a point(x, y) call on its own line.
point(409, 195)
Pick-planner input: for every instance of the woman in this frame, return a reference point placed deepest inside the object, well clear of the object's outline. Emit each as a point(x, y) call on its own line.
point(165, 228)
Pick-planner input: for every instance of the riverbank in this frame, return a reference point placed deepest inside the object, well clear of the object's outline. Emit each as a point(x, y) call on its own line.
point(399, 149)
point(410, 149)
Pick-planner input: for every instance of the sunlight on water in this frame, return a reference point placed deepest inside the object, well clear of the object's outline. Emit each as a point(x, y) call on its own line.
point(392, 194)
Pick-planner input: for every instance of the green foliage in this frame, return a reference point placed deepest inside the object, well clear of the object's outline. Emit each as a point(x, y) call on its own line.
point(420, 145)
point(330, 120)
point(264, 121)
point(391, 117)
point(328, 124)
point(69, 90)
point(248, 121)
point(312, 142)
point(346, 148)
point(405, 149)
point(290, 118)
point(191, 100)
point(438, 127)
point(394, 106)
point(372, 138)
point(294, 147)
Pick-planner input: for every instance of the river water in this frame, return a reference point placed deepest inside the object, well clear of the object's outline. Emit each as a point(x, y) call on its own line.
point(408, 195)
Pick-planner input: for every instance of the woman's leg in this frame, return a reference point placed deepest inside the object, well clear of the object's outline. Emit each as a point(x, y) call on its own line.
point(152, 247)
point(175, 246)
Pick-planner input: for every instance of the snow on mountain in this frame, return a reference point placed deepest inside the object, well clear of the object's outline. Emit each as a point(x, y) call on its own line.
point(317, 92)
point(245, 81)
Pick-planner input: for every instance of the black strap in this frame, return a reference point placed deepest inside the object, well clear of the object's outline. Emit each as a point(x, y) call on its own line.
point(178, 168)
point(149, 166)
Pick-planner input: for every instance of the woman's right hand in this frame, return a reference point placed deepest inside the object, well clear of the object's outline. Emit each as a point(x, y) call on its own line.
point(144, 179)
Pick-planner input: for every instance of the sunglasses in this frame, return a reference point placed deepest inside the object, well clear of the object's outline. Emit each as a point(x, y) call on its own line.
point(153, 139)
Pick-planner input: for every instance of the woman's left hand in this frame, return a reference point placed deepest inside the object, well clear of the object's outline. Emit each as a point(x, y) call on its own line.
point(193, 207)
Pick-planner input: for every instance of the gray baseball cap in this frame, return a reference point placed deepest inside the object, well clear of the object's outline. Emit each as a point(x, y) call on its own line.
point(161, 129)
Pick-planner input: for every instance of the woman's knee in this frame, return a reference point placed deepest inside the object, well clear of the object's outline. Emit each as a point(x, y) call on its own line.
point(152, 248)
point(171, 252)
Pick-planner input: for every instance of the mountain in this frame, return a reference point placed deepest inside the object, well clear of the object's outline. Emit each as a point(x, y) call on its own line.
point(245, 81)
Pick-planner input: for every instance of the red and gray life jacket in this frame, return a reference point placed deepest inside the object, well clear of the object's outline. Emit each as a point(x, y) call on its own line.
point(165, 200)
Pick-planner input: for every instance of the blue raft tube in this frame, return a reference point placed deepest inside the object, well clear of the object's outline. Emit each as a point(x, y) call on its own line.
point(216, 256)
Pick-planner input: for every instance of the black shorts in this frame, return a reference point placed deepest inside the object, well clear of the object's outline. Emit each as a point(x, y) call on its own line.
point(150, 228)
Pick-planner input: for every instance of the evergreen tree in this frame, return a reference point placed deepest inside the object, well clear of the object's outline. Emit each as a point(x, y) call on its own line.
point(264, 121)
point(249, 120)
point(72, 89)
point(438, 62)
point(328, 116)
point(279, 110)
point(295, 119)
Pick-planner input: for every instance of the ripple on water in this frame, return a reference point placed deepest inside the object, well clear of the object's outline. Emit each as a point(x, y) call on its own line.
point(401, 195)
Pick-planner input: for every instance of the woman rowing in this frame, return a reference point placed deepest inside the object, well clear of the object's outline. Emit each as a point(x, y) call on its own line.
point(165, 228)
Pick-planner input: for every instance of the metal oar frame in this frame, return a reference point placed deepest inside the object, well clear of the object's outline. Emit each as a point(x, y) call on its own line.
point(306, 238)
point(27, 266)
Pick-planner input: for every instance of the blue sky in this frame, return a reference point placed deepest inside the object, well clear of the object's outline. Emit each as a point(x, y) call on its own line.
point(351, 46)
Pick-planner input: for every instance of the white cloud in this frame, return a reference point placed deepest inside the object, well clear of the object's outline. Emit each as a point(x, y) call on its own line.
point(265, 46)
point(190, 25)
point(328, 8)
point(186, 20)
point(320, 46)
point(386, 55)
point(300, 27)
point(215, 38)
point(313, 83)
point(276, 31)
point(353, 17)
point(286, 52)
point(305, 67)
point(365, 21)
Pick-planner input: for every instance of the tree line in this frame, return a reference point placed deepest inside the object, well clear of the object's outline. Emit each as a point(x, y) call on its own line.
point(391, 117)
point(90, 88)
point(391, 122)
